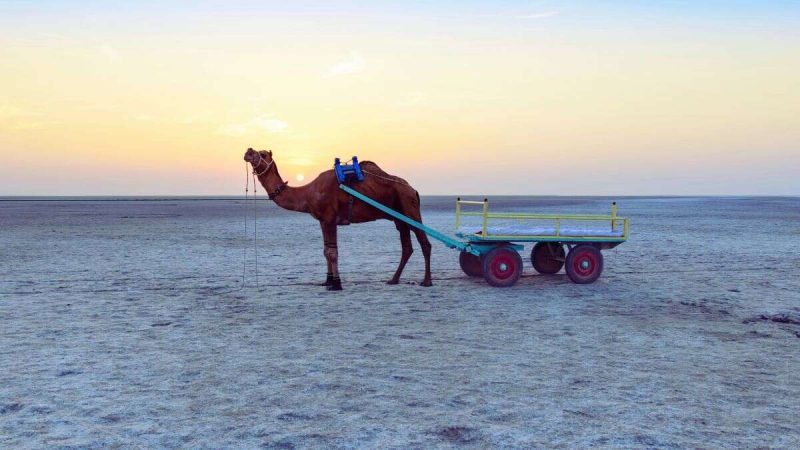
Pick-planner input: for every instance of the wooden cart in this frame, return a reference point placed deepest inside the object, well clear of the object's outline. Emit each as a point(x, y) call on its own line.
point(491, 248)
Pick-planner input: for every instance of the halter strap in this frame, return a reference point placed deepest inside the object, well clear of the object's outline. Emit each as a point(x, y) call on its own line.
point(260, 160)
point(279, 188)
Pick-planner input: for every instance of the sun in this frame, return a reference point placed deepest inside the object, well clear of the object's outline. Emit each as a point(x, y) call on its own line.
point(300, 177)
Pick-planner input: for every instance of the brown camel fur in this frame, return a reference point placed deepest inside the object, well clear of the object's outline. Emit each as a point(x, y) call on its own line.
point(331, 206)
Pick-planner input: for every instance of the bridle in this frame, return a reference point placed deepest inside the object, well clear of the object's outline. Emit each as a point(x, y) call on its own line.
point(279, 188)
point(260, 160)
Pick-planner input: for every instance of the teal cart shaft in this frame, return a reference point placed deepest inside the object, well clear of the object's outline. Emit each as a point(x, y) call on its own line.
point(439, 236)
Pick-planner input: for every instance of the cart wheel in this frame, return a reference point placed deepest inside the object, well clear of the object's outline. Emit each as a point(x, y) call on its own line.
point(470, 264)
point(547, 257)
point(502, 267)
point(584, 264)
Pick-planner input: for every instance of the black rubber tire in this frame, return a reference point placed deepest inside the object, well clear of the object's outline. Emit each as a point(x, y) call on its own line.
point(502, 267)
point(470, 264)
point(584, 264)
point(548, 257)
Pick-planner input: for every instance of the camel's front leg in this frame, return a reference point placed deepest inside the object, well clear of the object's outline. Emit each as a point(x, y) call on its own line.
point(332, 255)
point(329, 277)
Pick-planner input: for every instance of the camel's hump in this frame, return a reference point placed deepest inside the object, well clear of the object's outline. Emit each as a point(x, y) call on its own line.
point(370, 168)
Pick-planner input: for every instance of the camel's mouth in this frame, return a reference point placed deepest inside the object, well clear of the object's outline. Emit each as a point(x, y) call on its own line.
point(255, 157)
point(249, 154)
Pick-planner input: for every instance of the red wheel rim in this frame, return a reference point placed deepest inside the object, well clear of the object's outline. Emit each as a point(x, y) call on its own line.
point(503, 266)
point(584, 264)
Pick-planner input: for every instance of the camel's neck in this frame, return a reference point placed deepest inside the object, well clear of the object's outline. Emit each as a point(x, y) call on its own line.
point(286, 197)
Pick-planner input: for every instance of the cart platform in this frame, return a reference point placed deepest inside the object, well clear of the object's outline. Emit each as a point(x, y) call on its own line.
point(608, 230)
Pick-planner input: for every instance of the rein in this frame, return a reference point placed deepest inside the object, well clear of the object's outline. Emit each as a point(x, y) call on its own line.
point(278, 189)
point(255, 227)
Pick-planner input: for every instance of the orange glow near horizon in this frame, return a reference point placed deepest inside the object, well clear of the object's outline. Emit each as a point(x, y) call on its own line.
point(520, 103)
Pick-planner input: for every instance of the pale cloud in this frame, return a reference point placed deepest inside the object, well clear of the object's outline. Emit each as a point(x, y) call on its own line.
point(254, 125)
point(53, 36)
point(410, 99)
point(354, 63)
point(271, 125)
point(300, 162)
point(10, 112)
point(234, 129)
point(16, 119)
point(539, 15)
point(110, 52)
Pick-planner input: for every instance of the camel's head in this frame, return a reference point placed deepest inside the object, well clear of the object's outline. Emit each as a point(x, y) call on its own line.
point(255, 157)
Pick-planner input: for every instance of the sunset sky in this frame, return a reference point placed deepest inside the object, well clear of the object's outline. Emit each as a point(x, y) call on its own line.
point(458, 97)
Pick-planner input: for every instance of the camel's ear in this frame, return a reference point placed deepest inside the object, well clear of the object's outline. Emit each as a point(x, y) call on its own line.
point(270, 152)
point(250, 149)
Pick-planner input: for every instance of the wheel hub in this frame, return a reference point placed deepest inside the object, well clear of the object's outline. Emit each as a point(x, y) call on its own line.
point(585, 264)
point(502, 267)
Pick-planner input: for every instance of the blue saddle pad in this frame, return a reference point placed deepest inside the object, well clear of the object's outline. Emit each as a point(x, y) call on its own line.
point(348, 172)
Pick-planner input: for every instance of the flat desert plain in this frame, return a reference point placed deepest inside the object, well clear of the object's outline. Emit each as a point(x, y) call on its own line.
point(137, 323)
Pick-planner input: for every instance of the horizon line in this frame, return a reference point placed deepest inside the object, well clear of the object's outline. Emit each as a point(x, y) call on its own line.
point(197, 197)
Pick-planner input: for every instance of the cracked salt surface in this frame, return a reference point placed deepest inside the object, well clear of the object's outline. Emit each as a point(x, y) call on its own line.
point(126, 324)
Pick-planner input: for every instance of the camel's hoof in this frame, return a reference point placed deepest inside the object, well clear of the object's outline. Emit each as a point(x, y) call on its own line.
point(393, 281)
point(426, 283)
point(335, 286)
point(328, 281)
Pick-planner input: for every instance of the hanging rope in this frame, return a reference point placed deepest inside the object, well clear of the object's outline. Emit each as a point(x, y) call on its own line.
point(255, 223)
point(255, 226)
point(246, 196)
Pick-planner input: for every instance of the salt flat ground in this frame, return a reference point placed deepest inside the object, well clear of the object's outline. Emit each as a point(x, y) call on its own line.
point(127, 324)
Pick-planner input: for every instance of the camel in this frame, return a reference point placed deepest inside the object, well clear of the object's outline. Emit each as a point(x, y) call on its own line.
point(332, 207)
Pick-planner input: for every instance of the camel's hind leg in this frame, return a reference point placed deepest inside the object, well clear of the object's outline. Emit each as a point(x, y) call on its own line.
point(405, 243)
point(426, 252)
point(412, 210)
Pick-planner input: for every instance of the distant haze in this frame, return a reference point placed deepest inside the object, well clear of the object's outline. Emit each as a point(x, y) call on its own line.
point(468, 97)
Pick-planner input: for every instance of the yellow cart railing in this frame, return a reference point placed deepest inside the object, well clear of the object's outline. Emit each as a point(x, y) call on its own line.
point(604, 228)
